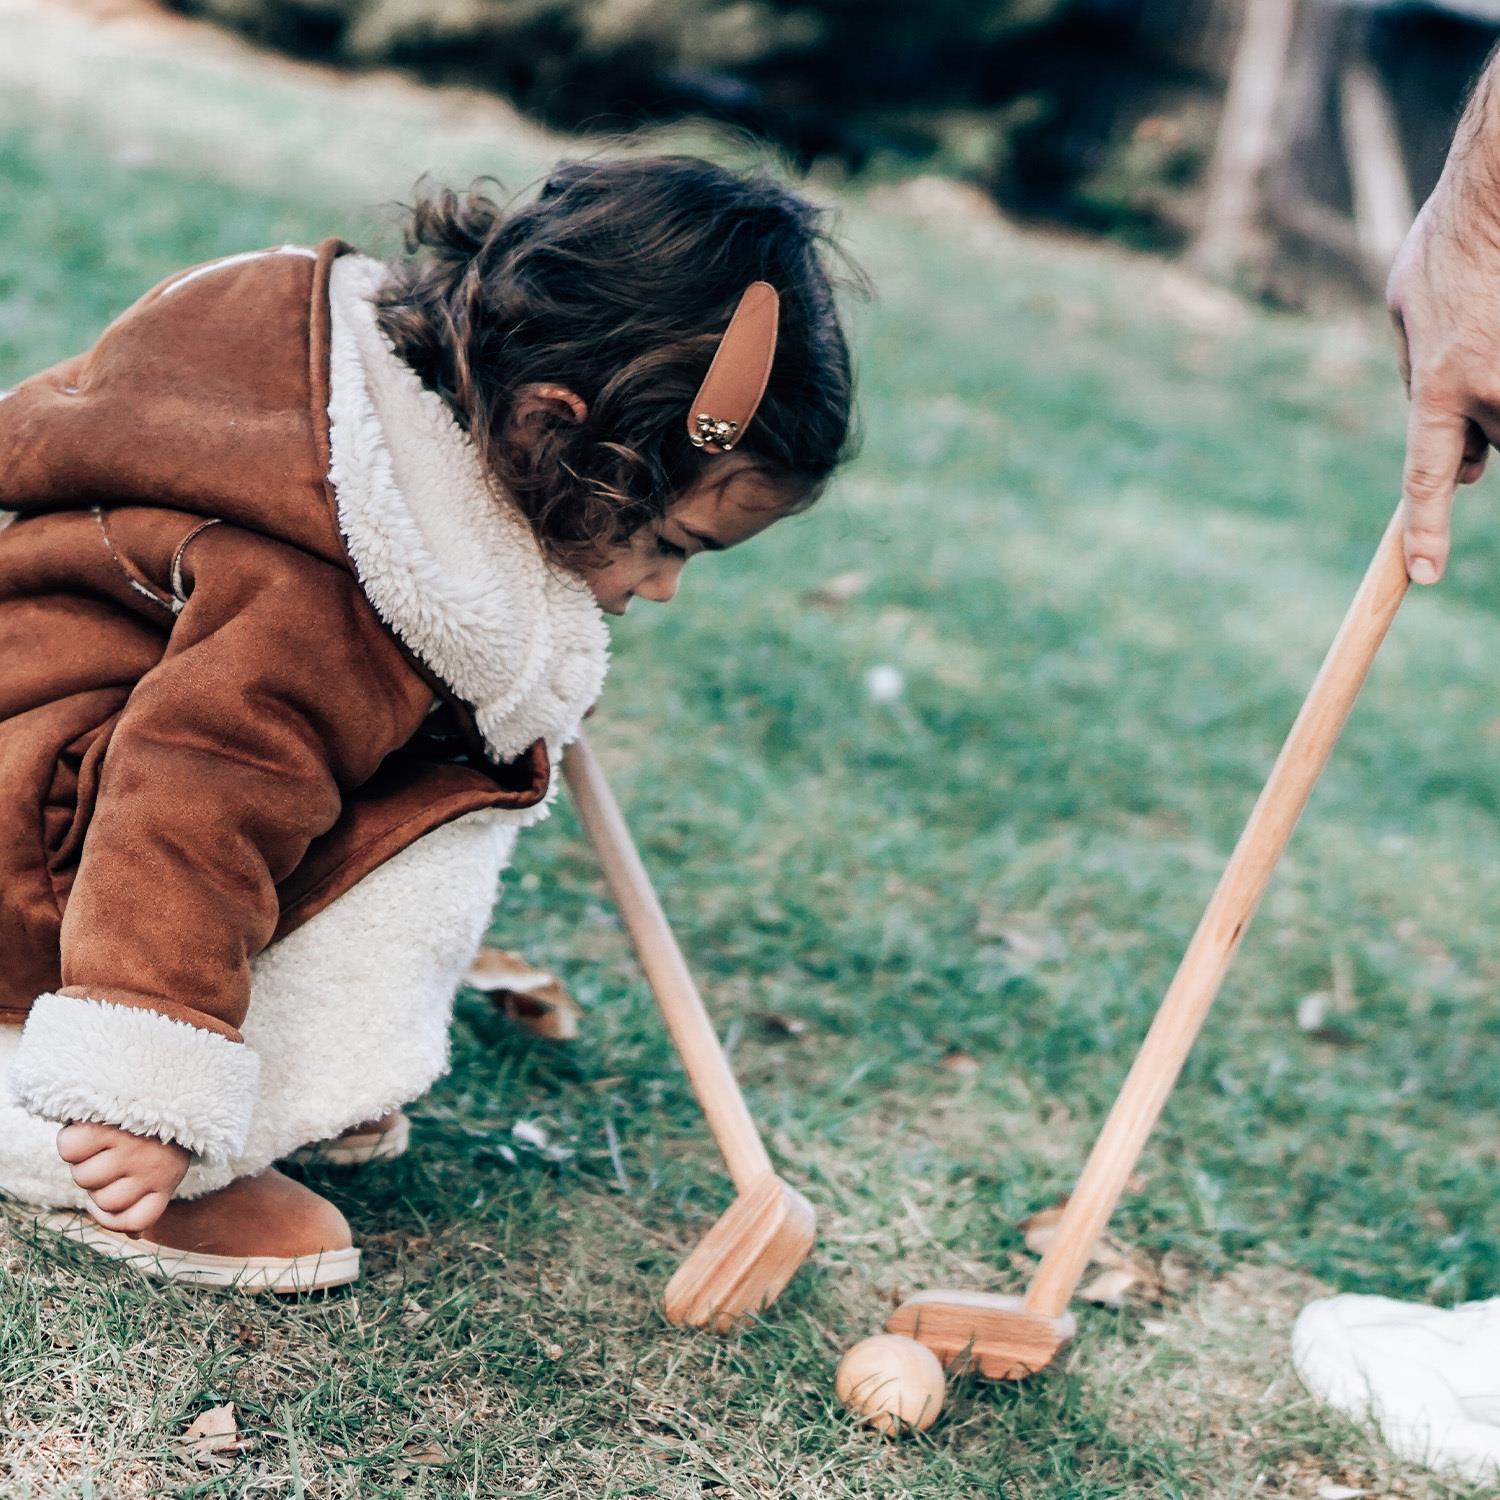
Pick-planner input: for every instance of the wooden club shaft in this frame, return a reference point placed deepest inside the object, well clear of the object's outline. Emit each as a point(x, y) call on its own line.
point(677, 997)
point(1208, 956)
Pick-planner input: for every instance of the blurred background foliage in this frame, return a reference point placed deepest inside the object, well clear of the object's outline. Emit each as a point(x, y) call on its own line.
point(1106, 518)
point(854, 79)
point(1103, 114)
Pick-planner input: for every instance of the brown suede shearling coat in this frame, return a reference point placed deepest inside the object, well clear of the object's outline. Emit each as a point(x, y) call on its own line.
point(207, 731)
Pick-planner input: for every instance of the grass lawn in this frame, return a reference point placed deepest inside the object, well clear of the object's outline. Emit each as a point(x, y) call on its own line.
point(1109, 520)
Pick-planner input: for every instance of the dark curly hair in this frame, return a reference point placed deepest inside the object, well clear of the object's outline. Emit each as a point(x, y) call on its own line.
point(618, 281)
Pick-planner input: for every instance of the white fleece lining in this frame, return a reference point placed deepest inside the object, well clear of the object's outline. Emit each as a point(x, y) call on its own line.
point(461, 579)
point(84, 1059)
point(349, 1013)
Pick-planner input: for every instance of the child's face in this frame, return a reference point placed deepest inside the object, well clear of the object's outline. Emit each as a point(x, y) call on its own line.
point(730, 504)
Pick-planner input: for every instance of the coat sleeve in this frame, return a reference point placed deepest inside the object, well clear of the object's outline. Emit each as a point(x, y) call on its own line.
point(279, 691)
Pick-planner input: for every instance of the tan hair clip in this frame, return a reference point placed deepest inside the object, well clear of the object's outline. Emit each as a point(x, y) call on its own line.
point(736, 380)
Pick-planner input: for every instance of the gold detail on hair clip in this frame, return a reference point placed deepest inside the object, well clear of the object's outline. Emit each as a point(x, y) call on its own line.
point(715, 430)
point(738, 374)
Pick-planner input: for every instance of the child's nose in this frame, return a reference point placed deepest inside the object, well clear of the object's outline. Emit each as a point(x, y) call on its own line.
point(660, 587)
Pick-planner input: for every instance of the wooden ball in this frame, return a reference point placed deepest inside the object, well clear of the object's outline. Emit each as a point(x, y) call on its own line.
point(892, 1382)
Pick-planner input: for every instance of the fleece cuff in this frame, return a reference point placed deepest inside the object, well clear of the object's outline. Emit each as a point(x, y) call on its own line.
point(123, 1065)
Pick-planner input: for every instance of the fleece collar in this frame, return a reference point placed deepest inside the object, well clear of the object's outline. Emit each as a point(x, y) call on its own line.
point(458, 576)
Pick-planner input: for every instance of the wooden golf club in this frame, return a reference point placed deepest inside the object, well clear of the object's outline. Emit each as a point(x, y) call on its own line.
point(757, 1244)
point(1011, 1337)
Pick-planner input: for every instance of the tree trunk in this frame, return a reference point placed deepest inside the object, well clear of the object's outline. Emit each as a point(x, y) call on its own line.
point(1383, 208)
point(1232, 202)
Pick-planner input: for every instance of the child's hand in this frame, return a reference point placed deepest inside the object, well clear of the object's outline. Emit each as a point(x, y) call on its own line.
point(129, 1178)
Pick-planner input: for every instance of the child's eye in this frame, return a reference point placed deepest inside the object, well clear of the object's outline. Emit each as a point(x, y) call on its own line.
point(669, 549)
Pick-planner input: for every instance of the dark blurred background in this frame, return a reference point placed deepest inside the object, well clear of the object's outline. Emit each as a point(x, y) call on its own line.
point(1282, 142)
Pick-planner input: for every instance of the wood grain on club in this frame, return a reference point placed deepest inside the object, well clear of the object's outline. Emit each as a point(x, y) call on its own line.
point(677, 997)
point(1223, 925)
point(745, 1261)
point(994, 1333)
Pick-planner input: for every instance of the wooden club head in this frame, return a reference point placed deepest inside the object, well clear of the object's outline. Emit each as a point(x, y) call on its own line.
point(744, 1260)
point(993, 1333)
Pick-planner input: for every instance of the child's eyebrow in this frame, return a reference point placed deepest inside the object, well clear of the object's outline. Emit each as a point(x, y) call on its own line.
point(710, 543)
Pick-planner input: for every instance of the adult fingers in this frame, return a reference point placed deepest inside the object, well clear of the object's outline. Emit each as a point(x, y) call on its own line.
point(1476, 453)
point(1403, 346)
point(1471, 470)
point(1434, 453)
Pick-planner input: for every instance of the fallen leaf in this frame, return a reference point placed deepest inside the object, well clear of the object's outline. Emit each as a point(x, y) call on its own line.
point(413, 1314)
point(1040, 1229)
point(836, 592)
point(1328, 1490)
point(494, 969)
point(533, 998)
point(429, 1452)
point(1025, 936)
point(212, 1435)
point(782, 1025)
point(1109, 1288)
point(961, 1062)
point(1176, 1274)
point(529, 1133)
point(552, 1016)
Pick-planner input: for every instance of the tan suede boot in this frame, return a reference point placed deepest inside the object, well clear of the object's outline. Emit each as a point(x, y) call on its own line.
point(374, 1140)
point(264, 1233)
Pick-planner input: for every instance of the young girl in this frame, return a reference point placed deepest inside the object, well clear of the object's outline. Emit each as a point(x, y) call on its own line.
point(300, 601)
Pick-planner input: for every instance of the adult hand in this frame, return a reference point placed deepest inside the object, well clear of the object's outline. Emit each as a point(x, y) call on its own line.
point(129, 1178)
point(1444, 298)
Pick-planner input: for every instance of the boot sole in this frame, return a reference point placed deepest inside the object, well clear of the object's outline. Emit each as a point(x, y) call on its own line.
point(357, 1150)
point(246, 1273)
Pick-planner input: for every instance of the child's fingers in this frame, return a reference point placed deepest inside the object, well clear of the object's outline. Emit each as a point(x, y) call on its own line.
point(81, 1140)
point(94, 1171)
point(140, 1216)
point(123, 1215)
point(118, 1196)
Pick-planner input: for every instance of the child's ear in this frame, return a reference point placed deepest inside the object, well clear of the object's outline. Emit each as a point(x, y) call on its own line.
point(537, 404)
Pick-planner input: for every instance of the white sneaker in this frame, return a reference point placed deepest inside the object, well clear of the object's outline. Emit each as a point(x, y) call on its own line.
point(1428, 1377)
